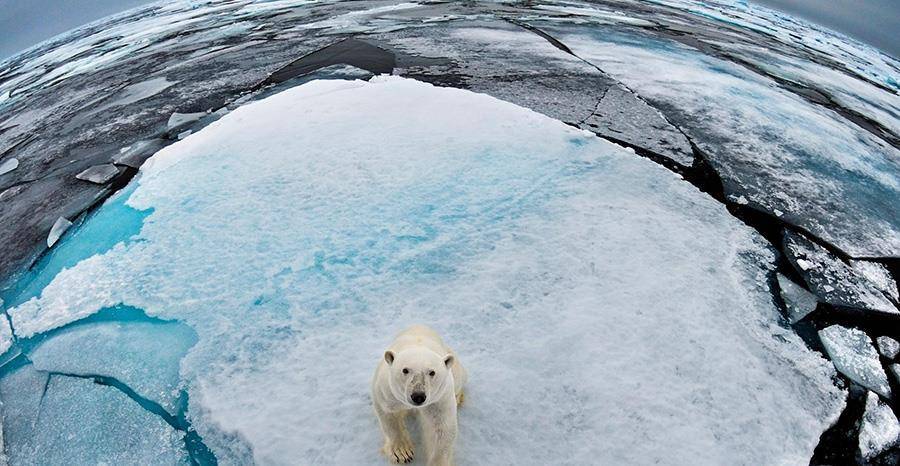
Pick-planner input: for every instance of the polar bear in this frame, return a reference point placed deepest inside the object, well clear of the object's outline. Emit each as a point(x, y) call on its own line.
point(418, 374)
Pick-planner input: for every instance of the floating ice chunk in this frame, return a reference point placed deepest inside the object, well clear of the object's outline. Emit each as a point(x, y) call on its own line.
point(139, 91)
point(878, 275)
point(832, 279)
point(9, 166)
point(134, 155)
point(352, 230)
point(20, 392)
point(185, 134)
point(67, 420)
point(57, 230)
point(6, 336)
point(853, 355)
point(798, 301)
point(880, 429)
point(99, 174)
point(145, 355)
point(888, 347)
point(178, 120)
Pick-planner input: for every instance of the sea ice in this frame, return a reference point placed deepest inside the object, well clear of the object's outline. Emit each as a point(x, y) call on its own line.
point(57, 230)
point(880, 429)
point(798, 301)
point(832, 279)
point(782, 153)
point(180, 120)
point(6, 336)
point(9, 165)
point(853, 355)
point(888, 347)
point(99, 174)
point(58, 419)
point(523, 240)
point(144, 355)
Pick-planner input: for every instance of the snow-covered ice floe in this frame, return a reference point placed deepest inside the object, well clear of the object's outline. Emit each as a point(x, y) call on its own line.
point(880, 429)
point(298, 233)
point(852, 352)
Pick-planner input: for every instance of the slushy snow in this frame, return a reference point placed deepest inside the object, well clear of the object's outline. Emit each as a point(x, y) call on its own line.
point(297, 234)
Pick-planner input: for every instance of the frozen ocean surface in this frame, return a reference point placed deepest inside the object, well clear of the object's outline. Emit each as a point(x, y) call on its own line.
point(297, 234)
point(788, 157)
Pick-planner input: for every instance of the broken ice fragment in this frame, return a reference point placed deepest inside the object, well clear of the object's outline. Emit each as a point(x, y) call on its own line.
point(832, 279)
point(99, 174)
point(888, 347)
point(9, 166)
point(184, 134)
point(853, 355)
point(878, 275)
point(57, 230)
point(880, 429)
point(798, 301)
point(145, 355)
point(6, 336)
point(178, 120)
point(135, 155)
point(69, 420)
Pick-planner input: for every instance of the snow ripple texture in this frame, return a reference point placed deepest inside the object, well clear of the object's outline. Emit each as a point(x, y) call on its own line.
point(607, 310)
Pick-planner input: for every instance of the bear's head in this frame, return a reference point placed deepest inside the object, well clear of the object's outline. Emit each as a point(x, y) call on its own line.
point(419, 376)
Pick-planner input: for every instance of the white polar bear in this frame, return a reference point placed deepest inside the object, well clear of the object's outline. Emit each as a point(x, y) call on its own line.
point(419, 373)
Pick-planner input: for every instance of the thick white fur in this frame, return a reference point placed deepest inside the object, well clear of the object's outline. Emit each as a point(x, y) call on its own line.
point(420, 351)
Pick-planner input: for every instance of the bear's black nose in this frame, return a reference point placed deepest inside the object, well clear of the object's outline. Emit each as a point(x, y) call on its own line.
point(418, 398)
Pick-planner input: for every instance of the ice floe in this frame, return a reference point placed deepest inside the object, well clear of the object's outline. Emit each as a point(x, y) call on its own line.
point(57, 230)
point(798, 301)
point(56, 419)
point(99, 174)
point(298, 233)
point(9, 165)
point(832, 279)
point(879, 430)
point(853, 355)
point(888, 347)
point(145, 355)
point(785, 155)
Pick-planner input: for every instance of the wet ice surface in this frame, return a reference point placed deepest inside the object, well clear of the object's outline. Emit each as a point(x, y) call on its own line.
point(787, 156)
point(853, 354)
point(832, 279)
point(528, 253)
point(880, 429)
point(55, 419)
point(798, 301)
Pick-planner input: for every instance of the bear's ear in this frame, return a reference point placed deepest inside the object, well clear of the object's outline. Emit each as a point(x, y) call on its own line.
point(448, 360)
point(389, 357)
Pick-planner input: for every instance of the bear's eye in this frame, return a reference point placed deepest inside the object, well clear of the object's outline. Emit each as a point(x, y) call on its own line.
point(431, 373)
point(405, 370)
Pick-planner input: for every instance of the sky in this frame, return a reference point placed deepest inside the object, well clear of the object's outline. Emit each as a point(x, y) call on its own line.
point(24, 23)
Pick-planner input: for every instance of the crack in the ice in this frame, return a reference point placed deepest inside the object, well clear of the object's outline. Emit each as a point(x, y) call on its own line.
point(596, 107)
point(702, 175)
point(198, 452)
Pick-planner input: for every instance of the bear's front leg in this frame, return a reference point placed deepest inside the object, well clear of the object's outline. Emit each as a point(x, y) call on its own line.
point(440, 427)
point(397, 445)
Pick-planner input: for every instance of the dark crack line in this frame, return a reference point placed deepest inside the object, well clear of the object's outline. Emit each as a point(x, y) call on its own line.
point(596, 107)
point(198, 452)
